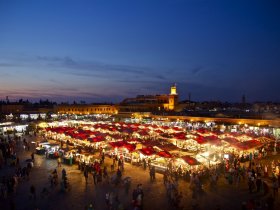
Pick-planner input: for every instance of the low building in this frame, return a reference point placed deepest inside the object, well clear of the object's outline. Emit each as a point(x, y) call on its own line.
point(11, 108)
point(86, 109)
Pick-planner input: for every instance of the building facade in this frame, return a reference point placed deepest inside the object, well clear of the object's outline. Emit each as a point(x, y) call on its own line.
point(146, 103)
point(86, 109)
point(11, 108)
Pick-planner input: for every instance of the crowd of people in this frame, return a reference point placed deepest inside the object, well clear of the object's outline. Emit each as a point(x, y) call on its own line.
point(255, 173)
point(10, 146)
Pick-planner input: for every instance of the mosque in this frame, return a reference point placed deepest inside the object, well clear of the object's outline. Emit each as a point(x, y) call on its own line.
point(145, 103)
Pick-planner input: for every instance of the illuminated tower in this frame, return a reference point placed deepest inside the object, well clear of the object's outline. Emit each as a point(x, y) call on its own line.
point(172, 98)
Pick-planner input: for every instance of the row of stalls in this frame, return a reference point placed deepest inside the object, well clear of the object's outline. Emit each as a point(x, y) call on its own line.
point(164, 147)
point(68, 156)
point(11, 128)
point(51, 150)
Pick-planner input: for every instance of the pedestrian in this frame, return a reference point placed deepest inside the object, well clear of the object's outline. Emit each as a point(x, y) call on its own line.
point(119, 163)
point(58, 162)
point(114, 161)
point(144, 164)
point(119, 174)
point(107, 200)
point(127, 185)
point(28, 169)
point(258, 183)
point(105, 175)
point(275, 188)
point(99, 176)
point(44, 192)
point(151, 175)
point(55, 177)
point(139, 201)
point(94, 176)
point(265, 171)
point(122, 165)
point(154, 173)
point(103, 157)
point(15, 181)
point(140, 190)
point(134, 195)
point(33, 192)
point(51, 180)
point(24, 144)
point(17, 162)
point(165, 177)
point(86, 175)
point(32, 156)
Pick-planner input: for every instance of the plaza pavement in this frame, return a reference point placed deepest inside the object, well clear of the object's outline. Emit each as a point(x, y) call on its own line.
point(227, 197)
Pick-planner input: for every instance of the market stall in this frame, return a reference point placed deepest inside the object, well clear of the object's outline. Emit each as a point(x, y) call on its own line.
point(42, 147)
point(185, 163)
point(161, 161)
point(53, 151)
point(69, 157)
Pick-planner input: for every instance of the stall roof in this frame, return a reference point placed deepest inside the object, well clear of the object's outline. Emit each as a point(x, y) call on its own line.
point(130, 147)
point(247, 145)
point(230, 140)
point(164, 154)
point(201, 130)
point(168, 147)
point(117, 143)
point(214, 140)
point(201, 140)
point(143, 132)
point(147, 151)
point(190, 160)
point(180, 136)
point(96, 139)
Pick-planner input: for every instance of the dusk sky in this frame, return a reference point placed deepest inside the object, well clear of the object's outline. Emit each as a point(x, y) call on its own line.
point(105, 51)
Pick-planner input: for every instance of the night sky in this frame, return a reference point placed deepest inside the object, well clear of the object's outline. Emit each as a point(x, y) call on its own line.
point(105, 51)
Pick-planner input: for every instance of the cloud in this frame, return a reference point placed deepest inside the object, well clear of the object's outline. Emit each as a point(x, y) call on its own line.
point(67, 65)
point(7, 65)
point(87, 74)
point(68, 61)
point(97, 69)
point(160, 77)
point(91, 94)
point(196, 70)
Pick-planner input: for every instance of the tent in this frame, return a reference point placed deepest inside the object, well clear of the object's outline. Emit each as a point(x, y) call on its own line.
point(190, 160)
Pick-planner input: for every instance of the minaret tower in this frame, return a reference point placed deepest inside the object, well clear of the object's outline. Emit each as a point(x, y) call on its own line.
point(173, 97)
